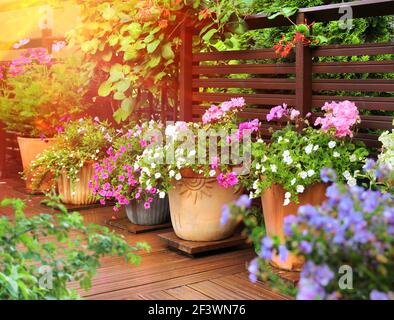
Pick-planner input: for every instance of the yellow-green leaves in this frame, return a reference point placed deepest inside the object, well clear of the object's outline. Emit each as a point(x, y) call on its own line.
point(105, 89)
point(151, 47)
point(125, 110)
point(167, 52)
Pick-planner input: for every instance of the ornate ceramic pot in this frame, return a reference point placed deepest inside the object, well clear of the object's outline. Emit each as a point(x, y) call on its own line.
point(77, 193)
point(196, 206)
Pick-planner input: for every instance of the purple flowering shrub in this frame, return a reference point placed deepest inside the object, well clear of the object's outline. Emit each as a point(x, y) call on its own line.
point(250, 214)
point(353, 229)
point(38, 93)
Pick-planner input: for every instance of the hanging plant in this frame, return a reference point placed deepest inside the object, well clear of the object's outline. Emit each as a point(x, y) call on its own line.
point(298, 33)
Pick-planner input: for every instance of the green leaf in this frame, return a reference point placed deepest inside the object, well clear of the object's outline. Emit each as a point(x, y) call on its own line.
point(105, 89)
point(108, 56)
point(109, 13)
point(167, 52)
point(124, 111)
point(206, 37)
point(131, 54)
point(116, 72)
point(154, 62)
point(113, 39)
point(122, 85)
point(153, 46)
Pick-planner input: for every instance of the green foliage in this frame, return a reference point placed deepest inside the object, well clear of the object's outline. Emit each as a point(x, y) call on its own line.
point(310, 150)
point(36, 102)
point(40, 255)
point(136, 44)
point(82, 142)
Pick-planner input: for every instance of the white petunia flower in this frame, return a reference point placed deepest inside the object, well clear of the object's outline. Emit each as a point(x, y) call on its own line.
point(274, 168)
point(300, 189)
point(258, 166)
point(162, 195)
point(286, 202)
point(311, 173)
point(353, 158)
point(178, 176)
point(286, 153)
point(171, 173)
point(212, 173)
point(293, 181)
point(303, 175)
point(347, 175)
point(315, 148)
point(153, 165)
point(332, 144)
point(308, 149)
point(336, 154)
point(158, 175)
point(287, 195)
point(352, 182)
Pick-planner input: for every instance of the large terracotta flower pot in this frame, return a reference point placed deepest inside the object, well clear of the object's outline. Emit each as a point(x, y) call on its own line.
point(275, 212)
point(77, 193)
point(158, 213)
point(196, 206)
point(30, 149)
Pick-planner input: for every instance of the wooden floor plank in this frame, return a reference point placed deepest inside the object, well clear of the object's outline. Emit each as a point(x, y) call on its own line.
point(217, 292)
point(168, 284)
point(158, 295)
point(187, 293)
point(254, 291)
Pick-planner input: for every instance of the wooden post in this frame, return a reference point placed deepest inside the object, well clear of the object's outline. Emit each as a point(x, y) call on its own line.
point(185, 74)
point(3, 149)
point(46, 39)
point(303, 74)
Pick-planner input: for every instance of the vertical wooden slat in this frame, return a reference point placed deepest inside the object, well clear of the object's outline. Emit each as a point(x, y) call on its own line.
point(185, 74)
point(3, 149)
point(303, 74)
point(46, 38)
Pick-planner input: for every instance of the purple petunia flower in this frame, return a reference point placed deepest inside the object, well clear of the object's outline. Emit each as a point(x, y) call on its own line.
point(243, 202)
point(378, 295)
point(226, 214)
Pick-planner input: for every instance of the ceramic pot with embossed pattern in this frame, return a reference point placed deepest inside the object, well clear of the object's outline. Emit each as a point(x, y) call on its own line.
point(196, 204)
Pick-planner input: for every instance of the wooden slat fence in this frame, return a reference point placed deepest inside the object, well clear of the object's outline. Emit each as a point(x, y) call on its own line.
point(305, 84)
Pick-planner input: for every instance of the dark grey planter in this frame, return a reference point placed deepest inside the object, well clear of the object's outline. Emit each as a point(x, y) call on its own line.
point(158, 213)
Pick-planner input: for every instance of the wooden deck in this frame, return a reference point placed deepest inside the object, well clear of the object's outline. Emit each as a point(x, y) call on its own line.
point(163, 274)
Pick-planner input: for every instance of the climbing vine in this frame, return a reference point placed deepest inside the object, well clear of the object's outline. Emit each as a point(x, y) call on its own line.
point(135, 45)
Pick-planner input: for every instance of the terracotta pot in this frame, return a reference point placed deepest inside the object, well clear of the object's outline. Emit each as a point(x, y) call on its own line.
point(30, 149)
point(196, 207)
point(158, 213)
point(275, 212)
point(77, 193)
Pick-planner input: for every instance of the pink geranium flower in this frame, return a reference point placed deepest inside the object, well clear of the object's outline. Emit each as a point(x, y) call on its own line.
point(252, 126)
point(341, 116)
point(277, 112)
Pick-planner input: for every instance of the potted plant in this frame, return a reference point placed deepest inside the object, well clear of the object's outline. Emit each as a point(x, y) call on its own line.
point(37, 95)
point(71, 157)
point(117, 178)
point(286, 171)
point(347, 240)
point(197, 180)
